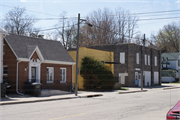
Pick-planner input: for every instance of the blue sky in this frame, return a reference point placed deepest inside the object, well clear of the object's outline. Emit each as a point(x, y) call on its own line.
point(73, 7)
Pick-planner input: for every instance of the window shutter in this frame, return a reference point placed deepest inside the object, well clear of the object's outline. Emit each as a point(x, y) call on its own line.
point(145, 59)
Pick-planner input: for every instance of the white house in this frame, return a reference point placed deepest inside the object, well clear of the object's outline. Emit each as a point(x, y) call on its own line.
point(170, 66)
point(2, 35)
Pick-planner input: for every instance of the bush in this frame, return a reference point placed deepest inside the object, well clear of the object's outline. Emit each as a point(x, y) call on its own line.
point(95, 75)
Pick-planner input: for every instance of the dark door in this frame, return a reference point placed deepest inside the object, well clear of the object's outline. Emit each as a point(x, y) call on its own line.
point(33, 74)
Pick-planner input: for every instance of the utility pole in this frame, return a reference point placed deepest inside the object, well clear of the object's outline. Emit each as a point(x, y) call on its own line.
point(142, 64)
point(77, 52)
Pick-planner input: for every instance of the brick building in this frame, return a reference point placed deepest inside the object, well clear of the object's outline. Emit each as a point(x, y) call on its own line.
point(36, 60)
point(128, 73)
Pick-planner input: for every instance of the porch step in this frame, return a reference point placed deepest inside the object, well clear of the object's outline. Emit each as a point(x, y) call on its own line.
point(53, 92)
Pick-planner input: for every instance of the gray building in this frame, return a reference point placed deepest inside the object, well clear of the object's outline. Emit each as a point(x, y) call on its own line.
point(128, 72)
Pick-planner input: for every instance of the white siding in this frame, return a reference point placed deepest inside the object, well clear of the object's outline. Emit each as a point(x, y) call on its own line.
point(173, 64)
point(167, 79)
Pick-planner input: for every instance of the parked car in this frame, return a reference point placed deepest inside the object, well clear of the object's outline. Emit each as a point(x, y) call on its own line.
point(174, 113)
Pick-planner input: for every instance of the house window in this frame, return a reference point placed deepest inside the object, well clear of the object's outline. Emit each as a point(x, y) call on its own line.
point(50, 74)
point(122, 58)
point(63, 75)
point(148, 59)
point(5, 70)
point(145, 59)
point(155, 61)
point(137, 58)
point(179, 63)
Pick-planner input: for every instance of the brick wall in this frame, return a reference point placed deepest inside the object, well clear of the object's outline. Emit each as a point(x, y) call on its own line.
point(10, 60)
point(130, 61)
point(23, 74)
point(56, 84)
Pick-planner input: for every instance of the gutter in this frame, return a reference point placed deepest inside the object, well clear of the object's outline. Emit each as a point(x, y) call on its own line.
point(17, 78)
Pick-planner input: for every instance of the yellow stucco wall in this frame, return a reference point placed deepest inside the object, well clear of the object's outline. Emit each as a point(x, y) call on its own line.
point(99, 55)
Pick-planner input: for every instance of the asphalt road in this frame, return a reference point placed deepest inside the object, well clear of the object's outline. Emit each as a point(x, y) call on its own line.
point(151, 105)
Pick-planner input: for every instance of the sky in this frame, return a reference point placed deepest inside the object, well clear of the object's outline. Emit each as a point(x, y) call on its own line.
point(53, 8)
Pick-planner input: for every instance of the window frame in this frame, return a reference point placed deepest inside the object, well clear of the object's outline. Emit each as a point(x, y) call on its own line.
point(48, 80)
point(3, 70)
point(122, 61)
point(62, 75)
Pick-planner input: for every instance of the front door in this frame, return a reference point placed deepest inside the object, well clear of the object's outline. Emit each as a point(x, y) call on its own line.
point(33, 74)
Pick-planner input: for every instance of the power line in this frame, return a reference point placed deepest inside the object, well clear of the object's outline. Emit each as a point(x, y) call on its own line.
point(29, 10)
point(97, 16)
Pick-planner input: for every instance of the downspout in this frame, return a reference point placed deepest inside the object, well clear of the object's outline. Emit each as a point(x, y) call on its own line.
point(17, 78)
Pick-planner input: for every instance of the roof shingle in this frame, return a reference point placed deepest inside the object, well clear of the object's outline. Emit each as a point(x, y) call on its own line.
point(23, 47)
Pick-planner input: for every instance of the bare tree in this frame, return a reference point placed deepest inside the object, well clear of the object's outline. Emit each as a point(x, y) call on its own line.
point(18, 22)
point(103, 28)
point(66, 33)
point(125, 25)
point(168, 38)
point(108, 27)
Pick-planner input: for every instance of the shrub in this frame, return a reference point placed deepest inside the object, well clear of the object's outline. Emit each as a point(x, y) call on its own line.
point(95, 75)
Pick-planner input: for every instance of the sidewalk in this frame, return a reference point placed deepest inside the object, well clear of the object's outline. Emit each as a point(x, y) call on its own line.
point(16, 99)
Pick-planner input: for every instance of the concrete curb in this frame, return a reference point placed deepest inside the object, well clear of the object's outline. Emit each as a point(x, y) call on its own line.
point(132, 91)
point(50, 99)
point(170, 88)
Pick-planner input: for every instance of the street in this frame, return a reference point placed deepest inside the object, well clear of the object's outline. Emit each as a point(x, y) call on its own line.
point(151, 105)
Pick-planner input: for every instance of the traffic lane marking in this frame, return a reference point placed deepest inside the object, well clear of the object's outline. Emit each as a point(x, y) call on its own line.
point(67, 116)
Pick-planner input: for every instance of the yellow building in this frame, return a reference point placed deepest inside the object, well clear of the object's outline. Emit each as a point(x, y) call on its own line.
point(100, 55)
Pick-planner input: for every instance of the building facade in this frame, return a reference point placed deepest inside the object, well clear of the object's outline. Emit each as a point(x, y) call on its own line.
point(3, 33)
point(128, 73)
point(43, 61)
point(100, 55)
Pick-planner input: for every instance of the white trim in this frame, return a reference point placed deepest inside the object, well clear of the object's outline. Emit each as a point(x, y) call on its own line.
point(38, 53)
point(11, 48)
point(59, 62)
point(138, 69)
point(65, 75)
point(50, 61)
point(38, 70)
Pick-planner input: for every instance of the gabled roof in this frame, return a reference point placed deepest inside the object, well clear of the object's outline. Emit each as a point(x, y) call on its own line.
point(170, 56)
point(23, 47)
point(2, 31)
